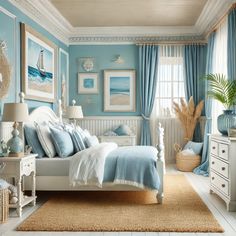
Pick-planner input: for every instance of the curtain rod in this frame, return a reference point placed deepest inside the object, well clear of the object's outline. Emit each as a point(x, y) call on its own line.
point(199, 42)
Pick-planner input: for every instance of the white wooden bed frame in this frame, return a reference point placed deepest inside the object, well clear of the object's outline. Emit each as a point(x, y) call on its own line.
point(61, 183)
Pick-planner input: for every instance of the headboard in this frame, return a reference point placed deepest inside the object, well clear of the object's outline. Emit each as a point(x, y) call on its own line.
point(43, 113)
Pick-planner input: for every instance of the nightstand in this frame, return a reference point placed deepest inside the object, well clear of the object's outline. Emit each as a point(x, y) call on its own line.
point(17, 168)
point(120, 140)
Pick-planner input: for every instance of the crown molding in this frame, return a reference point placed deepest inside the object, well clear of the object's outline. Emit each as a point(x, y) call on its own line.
point(212, 13)
point(46, 15)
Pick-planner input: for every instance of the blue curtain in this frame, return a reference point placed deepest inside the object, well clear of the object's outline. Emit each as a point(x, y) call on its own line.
point(231, 44)
point(195, 67)
point(148, 59)
point(204, 166)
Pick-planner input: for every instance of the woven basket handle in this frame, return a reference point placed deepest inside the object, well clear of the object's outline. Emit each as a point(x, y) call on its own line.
point(177, 147)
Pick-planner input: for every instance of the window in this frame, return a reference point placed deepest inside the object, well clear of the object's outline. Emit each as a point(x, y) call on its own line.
point(170, 83)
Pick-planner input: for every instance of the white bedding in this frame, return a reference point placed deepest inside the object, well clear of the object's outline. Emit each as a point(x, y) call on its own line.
point(87, 166)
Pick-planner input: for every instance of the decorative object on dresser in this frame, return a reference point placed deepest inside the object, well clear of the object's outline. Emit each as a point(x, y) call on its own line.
point(222, 169)
point(88, 83)
point(74, 112)
point(224, 91)
point(188, 115)
point(39, 65)
point(5, 71)
point(124, 140)
point(15, 112)
point(119, 90)
point(16, 168)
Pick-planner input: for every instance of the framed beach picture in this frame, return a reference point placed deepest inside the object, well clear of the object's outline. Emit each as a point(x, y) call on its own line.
point(87, 83)
point(39, 66)
point(119, 90)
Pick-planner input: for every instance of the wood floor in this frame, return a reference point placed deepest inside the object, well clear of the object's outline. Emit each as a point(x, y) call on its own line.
point(199, 183)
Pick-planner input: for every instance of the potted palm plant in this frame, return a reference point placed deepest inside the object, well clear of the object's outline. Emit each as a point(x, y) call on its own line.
point(224, 91)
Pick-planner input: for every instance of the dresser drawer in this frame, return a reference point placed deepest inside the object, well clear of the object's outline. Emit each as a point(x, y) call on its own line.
point(224, 151)
point(28, 166)
point(220, 183)
point(214, 148)
point(220, 166)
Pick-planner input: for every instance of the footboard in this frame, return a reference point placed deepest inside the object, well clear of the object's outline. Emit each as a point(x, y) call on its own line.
point(160, 162)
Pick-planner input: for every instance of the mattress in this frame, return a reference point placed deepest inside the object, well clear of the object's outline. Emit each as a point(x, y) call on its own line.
point(53, 166)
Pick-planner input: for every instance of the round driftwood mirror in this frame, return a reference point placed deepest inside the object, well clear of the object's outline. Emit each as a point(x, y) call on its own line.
point(5, 71)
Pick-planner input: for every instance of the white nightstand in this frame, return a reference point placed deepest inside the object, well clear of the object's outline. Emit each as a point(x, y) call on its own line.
point(120, 140)
point(17, 167)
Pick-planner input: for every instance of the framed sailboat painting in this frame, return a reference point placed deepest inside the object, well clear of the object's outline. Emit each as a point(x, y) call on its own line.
point(39, 66)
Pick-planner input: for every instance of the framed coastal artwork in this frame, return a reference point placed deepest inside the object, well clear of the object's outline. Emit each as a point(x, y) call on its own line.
point(39, 66)
point(119, 90)
point(87, 83)
point(63, 77)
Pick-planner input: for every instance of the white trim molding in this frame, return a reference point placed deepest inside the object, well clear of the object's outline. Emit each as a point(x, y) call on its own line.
point(46, 15)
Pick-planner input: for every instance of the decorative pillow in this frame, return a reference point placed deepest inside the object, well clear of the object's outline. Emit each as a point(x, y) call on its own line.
point(110, 133)
point(78, 140)
point(123, 130)
point(196, 147)
point(188, 152)
point(33, 140)
point(92, 141)
point(63, 142)
point(44, 136)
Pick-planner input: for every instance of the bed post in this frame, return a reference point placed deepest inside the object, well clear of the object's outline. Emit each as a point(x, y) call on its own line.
point(160, 162)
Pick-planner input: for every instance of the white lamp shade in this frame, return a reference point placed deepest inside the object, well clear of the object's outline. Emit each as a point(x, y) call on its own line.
point(74, 112)
point(15, 112)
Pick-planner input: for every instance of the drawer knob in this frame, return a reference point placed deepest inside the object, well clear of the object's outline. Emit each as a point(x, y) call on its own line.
point(223, 168)
point(212, 178)
point(223, 151)
point(213, 163)
point(213, 147)
point(222, 185)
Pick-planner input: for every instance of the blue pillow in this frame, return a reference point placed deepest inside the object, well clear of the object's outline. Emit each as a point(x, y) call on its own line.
point(78, 140)
point(196, 147)
point(33, 140)
point(62, 142)
point(123, 130)
point(91, 141)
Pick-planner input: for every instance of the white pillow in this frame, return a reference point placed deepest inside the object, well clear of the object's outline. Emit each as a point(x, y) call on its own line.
point(44, 136)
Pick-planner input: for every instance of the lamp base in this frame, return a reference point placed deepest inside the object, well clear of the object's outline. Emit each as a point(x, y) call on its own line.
point(16, 154)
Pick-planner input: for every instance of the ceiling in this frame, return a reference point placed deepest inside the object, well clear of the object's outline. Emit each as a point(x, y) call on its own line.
point(112, 13)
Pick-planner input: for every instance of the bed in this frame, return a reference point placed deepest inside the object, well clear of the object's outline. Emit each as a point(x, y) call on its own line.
point(52, 174)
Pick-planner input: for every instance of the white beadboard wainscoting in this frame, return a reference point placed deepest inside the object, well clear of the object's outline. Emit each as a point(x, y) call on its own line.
point(98, 125)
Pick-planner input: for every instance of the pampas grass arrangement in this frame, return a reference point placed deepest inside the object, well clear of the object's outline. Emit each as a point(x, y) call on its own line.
point(5, 72)
point(188, 115)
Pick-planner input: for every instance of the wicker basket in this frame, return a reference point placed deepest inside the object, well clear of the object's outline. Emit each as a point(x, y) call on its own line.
point(4, 205)
point(186, 162)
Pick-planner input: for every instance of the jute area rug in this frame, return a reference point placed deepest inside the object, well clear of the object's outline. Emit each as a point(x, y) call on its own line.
point(182, 211)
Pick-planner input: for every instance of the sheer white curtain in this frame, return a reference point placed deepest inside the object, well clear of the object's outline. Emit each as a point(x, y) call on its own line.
point(170, 81)
point(219, 66)
point(170, 85)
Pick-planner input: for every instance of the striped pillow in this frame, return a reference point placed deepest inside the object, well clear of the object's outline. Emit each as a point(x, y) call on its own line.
point(78, 140)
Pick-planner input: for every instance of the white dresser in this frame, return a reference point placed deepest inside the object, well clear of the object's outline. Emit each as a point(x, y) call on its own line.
point(120, 140)
point(223, 169)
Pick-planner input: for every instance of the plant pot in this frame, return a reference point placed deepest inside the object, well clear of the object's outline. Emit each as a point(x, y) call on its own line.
point(226, 121)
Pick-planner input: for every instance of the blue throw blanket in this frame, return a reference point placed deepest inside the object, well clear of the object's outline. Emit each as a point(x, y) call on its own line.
point(134, 165)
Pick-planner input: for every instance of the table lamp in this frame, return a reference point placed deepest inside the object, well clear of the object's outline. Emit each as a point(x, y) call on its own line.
point(15, 112)
point(74, 112)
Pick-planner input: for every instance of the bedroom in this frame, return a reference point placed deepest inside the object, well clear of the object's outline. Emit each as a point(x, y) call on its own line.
point(110, 92)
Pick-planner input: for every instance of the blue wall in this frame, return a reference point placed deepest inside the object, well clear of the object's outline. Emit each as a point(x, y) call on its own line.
point(10, 32)
point(92, 104)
